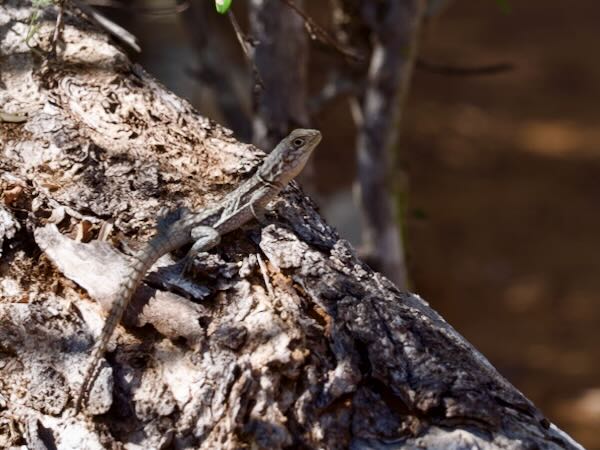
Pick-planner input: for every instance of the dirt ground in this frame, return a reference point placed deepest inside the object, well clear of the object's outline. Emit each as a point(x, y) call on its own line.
point(504, 228)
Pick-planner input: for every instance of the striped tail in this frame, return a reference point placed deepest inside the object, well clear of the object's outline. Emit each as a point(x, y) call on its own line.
point(144, 260)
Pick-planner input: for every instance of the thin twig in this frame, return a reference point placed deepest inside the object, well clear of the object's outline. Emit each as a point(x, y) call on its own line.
point(245, 43)
point(316, 32)
point(58, 27)
point(116, 30)
point(459, 71)
point(241, 37)
point(151, 11)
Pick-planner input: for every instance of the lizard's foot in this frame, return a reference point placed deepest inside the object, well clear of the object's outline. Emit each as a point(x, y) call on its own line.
point(205, 238)
point(187, 264)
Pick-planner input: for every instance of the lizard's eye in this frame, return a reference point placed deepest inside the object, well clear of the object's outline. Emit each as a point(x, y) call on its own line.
point(298, 142)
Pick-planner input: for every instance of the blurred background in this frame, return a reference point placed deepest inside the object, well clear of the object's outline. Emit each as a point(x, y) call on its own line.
point(500, 175)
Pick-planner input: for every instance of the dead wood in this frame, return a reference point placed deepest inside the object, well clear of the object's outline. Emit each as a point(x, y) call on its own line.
point(335, 357)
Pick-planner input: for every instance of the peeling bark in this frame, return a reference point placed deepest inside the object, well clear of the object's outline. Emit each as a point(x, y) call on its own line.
point(336, 357)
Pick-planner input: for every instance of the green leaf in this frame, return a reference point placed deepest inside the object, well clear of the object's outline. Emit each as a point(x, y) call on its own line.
point(222, 6)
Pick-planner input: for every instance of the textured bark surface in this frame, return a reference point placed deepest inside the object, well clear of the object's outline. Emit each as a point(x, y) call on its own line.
point(334, 357)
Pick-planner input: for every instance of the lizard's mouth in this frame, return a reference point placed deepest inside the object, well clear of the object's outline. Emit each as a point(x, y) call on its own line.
point(314, 136)
point(317, 137)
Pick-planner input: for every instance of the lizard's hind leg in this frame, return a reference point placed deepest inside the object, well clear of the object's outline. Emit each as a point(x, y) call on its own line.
point(204, 238)
point(167, 218)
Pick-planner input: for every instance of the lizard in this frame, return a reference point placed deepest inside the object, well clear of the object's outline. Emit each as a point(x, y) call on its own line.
point(205, 228)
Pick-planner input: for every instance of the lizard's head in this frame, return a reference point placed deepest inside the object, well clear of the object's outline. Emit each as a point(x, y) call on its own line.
point(290, 156)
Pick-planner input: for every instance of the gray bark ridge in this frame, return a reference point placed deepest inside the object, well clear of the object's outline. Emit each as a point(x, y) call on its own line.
point(315, 351)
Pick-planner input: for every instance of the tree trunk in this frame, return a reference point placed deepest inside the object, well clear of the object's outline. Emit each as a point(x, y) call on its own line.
point(387, 32)
point(281, 59)
point(310, 350)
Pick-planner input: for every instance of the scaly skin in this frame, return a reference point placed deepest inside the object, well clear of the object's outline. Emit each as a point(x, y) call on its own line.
point(206, 227)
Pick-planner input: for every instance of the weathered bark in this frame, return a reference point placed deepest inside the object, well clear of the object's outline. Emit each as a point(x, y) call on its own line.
point(335, 357)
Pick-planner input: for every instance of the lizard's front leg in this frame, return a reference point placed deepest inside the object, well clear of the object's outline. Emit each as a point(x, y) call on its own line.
point(259, 214)
point(204, 238)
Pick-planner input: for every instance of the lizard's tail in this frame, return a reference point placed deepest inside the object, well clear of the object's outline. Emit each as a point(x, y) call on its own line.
point(144, 260)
